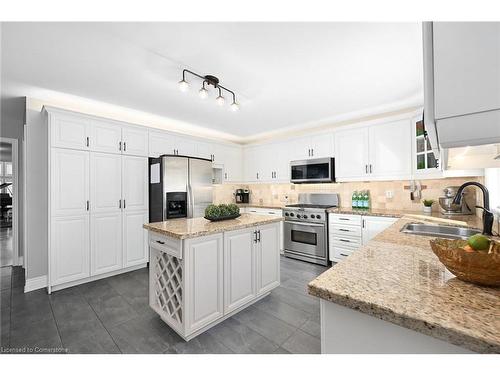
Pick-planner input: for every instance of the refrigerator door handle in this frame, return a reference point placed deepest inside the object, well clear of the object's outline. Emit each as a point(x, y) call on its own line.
point(190, 203)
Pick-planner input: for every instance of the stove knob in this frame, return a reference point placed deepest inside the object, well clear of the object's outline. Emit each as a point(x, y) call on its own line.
point(287, 214)
point(292, 214)
point(305, 216)
point(313, 216)
point(318, 217)
point(298, 216)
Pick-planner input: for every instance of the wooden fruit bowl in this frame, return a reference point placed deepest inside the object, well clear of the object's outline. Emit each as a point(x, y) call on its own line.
point(475, 267)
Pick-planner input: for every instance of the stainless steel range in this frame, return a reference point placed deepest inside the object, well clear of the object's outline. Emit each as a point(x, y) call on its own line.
point(306, 227)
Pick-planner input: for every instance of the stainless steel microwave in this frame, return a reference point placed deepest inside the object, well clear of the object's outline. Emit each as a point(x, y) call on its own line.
point(312, 171)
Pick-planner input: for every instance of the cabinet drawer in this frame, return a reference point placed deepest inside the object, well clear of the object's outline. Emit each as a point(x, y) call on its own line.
point(349, 242)
point(345, 230)
point(340, 253)
point(345, 219)
point(264, 211)
point(166, 245)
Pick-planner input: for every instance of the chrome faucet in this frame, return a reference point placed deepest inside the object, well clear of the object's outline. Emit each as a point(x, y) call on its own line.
point(487, 214)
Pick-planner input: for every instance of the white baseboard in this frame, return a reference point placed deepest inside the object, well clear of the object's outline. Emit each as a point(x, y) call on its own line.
point(35, 283)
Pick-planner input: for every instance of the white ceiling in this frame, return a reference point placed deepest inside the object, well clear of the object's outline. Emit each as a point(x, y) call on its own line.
point(284, 74)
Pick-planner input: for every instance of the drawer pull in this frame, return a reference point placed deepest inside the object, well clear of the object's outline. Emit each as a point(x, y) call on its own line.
point(344, 255)
point(341, 239)
point(161, 242)
point(344, 218)
point(344, 230)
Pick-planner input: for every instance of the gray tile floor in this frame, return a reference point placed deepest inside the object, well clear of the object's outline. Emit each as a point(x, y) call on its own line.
point(6, 247)
point(112, 316)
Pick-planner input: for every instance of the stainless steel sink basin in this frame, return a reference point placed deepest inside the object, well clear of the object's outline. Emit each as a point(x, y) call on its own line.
point(439, 231)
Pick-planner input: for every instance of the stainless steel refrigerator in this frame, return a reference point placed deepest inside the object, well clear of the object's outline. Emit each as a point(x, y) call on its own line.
point(179, 186)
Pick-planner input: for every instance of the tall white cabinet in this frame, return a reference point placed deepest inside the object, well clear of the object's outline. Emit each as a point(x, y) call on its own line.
point(98, 202)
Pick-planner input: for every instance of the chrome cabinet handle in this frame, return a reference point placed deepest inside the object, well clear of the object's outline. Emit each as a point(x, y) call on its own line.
point(225, 175)
point(312, 151)
point(88, 141)
point(124, 146)
point(124, 205)
point(259, 234)
point(344, 255)
point(344, 230)
point(88, 205)
point(119, 203)
point(161, 242)
point(371, 169)
point(255, 236)
point(343, 218)
point(366, 168)
point(341, 239)
point(120, 145)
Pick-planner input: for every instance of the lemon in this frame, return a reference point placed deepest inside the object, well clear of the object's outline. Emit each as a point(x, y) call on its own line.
point(479, 242)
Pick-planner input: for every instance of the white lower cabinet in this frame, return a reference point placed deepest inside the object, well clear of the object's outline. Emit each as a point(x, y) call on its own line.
point(135, 240)
point(347, 233)
point(268, 260)
point(204, 281)
point(196, 283)
point(270, 212)
point(106, 242)
point(69, 249)
point(373, 225)
point(239, 268)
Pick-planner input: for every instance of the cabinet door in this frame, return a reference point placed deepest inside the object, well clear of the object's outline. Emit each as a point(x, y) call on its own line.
point(106, 242)
point(105, 182)
point(135, 141)
point(390, 149)
point(135, 183)
point(160, 144)
point(268, 258)
point(250, 164)
point(231, 158)
point(69, 249)
point(351, 153)
point(204, 281)
point(374, 225)
point(69, 131)
point(69, 182)
point(105, 137)
point(466, 67)
point(135, 241)
point(321, 146)
point(239, 268)
point(185, 146)
point(203, 150)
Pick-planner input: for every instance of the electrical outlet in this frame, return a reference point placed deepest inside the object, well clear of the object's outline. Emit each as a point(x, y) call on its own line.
point(389, 194)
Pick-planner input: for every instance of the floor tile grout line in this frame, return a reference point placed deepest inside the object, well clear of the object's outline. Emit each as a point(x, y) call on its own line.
point(55, 321)
point(103, 325)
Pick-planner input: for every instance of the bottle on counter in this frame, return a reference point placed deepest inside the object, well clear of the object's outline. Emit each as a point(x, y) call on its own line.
point(366, 200)
point(354, 199)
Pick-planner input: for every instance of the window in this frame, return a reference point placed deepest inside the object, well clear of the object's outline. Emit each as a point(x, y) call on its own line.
point(425, 157)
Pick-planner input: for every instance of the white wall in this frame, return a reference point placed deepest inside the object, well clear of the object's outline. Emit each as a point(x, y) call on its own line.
point(492, 182)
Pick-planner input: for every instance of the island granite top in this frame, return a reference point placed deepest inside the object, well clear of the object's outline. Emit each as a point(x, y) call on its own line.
point(196, 227)
point(396, 277)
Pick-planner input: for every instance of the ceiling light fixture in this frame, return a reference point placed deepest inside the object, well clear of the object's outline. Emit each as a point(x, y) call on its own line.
point(203, 92)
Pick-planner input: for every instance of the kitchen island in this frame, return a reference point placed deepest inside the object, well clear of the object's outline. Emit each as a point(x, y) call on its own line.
point(203, 272)
point(394, 296)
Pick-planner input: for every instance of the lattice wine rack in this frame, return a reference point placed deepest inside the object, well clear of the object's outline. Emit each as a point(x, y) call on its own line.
point(167, 273)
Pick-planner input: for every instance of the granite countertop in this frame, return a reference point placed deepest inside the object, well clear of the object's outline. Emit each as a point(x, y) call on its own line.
point(197, 227)
point(396, 277)
point(275, 206)
point(473, 221)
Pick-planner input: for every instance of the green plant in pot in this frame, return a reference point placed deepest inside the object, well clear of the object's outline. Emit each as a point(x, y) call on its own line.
point(223, 211)
point(428, 205)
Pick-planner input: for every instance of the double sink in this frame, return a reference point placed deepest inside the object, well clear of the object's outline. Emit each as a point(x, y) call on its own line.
point(443, 231)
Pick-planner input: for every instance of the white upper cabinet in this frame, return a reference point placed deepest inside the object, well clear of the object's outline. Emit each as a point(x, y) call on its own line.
point(135, 141)
point(69, 185)
point(69, 131)
point(351, 158)
point(105, 137)
point(321, 145)
point(390, 150)
point(105, 182)
point(377, 152)
point(161, 144)
point(135, 183)
point(466, 67)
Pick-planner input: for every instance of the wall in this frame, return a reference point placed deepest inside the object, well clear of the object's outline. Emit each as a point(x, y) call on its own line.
point(275, 194)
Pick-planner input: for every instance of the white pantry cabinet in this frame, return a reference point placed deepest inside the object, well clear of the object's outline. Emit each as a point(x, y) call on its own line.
point(69, 250)
point(106, 253)
point(69, 182)
point(376, 152)
point(105, 182)
point(135, 241)
point(135, 183)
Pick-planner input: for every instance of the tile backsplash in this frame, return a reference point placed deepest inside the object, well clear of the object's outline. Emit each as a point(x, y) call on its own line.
point(281, 194)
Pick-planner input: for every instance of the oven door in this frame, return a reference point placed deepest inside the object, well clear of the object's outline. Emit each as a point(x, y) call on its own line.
point(307, 239)
point(311, 171)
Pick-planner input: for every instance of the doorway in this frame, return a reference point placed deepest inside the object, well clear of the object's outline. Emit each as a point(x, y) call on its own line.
point(9, 199)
